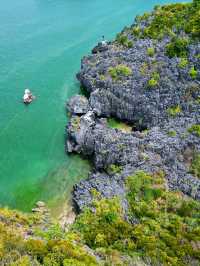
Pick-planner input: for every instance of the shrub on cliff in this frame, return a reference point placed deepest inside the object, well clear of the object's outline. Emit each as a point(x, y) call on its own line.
point(124, 41)
point(153, 81)
point(183, 63)
point(164, 225)
point(195, 129)
point(150, 51)
point(174, 110)
point(195, 165)
point(193, 73)
point(177, 47)
point(25, 239)
point(119, 72)
point(172, 19)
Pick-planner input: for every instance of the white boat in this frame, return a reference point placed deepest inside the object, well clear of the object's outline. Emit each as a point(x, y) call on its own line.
point(28, 97)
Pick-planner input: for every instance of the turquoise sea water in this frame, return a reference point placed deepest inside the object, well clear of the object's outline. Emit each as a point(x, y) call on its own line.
point(41, 44)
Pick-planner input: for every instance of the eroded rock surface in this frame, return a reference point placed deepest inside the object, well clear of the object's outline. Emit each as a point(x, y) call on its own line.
point(156, 95)
point(78, 104)
point(152, 151)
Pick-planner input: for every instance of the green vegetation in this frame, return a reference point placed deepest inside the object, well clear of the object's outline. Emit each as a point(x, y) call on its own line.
point(177, 47)
point(165, 232)
point(102, 77)
point(150, 51)
point(195, 129)
point(164, 220)
point(119, 72)
point(174, 110)
point(114, 123)
point(172, 133)
point(136, 31)
point(174, 16)
point(183, 63)
point(153, 82)
point(25, 240)
point(195, 165)
point(159, 227)
point(123, 40)
point(114, 169)
point(193, 72)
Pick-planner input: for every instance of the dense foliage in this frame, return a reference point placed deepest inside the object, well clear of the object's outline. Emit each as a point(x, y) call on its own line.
point(180, 22)
point(162, 226)
point(158, 227)
point(170, 19)
point(27, 240)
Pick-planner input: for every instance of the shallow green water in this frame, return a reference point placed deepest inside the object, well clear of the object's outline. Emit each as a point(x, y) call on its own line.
point(41, 44)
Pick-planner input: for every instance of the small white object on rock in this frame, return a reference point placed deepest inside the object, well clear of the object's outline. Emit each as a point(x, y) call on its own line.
point(40, 204)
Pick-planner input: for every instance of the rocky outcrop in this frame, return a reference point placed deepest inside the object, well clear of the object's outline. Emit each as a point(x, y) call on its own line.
point(152, 151)
point(132, 98)
point(107, 185)
point(157, 95)
point(100, 48)
point(78, 105)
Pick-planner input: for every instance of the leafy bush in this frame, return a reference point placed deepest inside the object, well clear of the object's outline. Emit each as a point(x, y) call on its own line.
point(20, 243)
point(136, 31)
point(192, 24)
point(195, 165)
point(105, 226)
point(123, 40)
point(172, 133)
point(150, 51)
point(119, 71)
point(160, 216)
point(171, 19)
point(154, 80)
point(193, 73)
point(102, 77)
point(114, 169)
point(177, 47)
point(195, 129)
point(161, 220)
point(183, 63)
point(174, 110)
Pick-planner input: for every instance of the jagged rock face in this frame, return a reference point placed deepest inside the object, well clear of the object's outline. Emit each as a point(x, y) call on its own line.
point(108, 186)
point(154, 151)
point(100, 48)
point(131, 98)
point(155, 93)
point(78, 105)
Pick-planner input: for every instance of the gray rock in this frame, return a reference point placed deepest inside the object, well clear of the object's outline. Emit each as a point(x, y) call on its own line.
point(78, 105)
point(132, 99)
point(40, 204)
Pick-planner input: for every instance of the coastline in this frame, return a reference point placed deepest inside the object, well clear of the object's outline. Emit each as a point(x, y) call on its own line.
point(140, 129)
point(134, 80)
